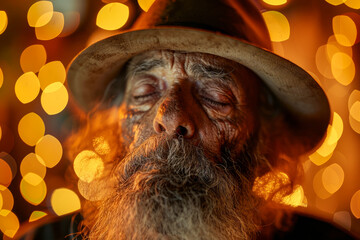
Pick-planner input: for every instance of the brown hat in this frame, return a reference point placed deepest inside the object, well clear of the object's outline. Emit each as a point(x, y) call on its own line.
point(232, 29)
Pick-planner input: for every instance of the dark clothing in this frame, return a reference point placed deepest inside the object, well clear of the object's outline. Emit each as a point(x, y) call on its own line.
point(304, 228)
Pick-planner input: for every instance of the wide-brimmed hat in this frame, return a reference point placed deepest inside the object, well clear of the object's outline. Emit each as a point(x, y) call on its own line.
point(232, 29)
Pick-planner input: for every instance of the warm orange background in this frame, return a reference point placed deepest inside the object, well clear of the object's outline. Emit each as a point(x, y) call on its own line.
point(304, 34)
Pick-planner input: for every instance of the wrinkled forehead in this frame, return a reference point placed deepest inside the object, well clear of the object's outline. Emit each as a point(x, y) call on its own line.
point(166, 58)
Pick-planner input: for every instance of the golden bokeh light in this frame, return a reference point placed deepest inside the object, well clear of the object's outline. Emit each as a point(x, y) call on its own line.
point(8, 199)
point(275, 2)
point(278, 26)
point(318, 186)
point(31, 128)
point(64, 201)
point(5, 173)
point(72, 22)
point(355, 4)
point(32, 163)
point(335, 2)
point(1, 81)
point(354, 97)
point(343, 218)
point(336, 129)
point(343, 68)
point(1, 201)
point(345, 30)
point(33, 189)
point(33, 58)
point(36, 215)
point(355, 111)
point(101, 146)
point(40, 13)
point(112, 16)
point(3, 21)
point(333, 178)
point(354, 124)
point(54, 98)
point(88, 166)
point(9, 223)
point(318, 159)
point(295, 199)
point(146, 4)
point(333, 134)
point(10, 161)
point(50, 150)
point(334, 47)
point(52, 29)
point(355, 204)
point(27, 87)
point(323, 63)
point(52, 72)
point(94, 190)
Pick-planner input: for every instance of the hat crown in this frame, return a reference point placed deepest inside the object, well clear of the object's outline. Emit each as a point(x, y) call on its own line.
point(236, 18)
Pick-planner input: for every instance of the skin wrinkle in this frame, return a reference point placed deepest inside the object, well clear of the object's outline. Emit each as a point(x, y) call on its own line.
point(171, 107)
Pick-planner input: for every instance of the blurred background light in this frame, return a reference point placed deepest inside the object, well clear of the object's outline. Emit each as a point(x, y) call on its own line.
point(3, 21)
point(54, 98)
point(40, 13)
point(146, 4)
point(8, 199)
point(278, 25)
point(94, 190)
point(31, 128)
point(355, 111)
point(334, 47)
point(33, 58)
point(343, 218)
point(318, 185)
point(355, 4)
point(323, 63)
point(296, 198)
point(64, 201)
point(52, 29)
point(335, 2)
point(88, 166)
point(343, 68)
point(112, 16)
point(33, 163)
point(10, 161)
point(27, 87)
point(355, 204)
point(101, 146)
point(345, 30)
point(50, 150)
point(5, 173)
point(333, 134)
point(1, 78)
point(52, 72)
point(333, 178)
point(36, 215)
point(275, 2)
point(33, 189)
point(9, 223)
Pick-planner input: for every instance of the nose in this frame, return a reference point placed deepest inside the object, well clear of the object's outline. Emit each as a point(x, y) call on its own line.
point(173, 118)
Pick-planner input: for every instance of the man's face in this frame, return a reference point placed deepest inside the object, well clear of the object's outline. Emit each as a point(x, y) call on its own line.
point(208, 100)
point(187, 129)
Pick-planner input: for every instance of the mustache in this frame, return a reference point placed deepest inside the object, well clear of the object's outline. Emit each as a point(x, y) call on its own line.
point(169, 155)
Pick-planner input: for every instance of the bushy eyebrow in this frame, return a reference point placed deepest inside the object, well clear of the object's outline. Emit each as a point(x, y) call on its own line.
point(145, 65)
point(212, 72)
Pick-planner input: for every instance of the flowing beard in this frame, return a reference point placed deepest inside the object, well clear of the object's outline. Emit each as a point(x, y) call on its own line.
point(169, 189)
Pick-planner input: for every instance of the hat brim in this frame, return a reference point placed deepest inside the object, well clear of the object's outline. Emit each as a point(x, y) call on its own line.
point(297, 92)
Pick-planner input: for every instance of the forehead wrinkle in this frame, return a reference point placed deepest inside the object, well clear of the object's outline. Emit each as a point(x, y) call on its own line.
point(145, 65)
point(200, 70)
